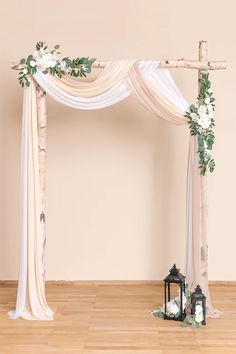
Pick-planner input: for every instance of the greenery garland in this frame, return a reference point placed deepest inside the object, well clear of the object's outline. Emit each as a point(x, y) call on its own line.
point(49, 63)
point(201, 124)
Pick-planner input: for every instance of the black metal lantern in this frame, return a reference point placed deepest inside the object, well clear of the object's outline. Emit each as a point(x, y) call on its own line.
point(175, 277)
point(198, 299)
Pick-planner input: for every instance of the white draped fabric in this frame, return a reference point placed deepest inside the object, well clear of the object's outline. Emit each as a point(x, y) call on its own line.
point(152, 87)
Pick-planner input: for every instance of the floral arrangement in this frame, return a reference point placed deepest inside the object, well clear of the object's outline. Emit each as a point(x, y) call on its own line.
point(173, 311)
point(172, 307)
point(48, 62)
point(195, 321)
point(201, 124)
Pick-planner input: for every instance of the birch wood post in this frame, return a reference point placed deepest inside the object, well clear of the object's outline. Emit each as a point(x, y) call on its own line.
point(203, 54)
point(42, 141)
point(166, 63)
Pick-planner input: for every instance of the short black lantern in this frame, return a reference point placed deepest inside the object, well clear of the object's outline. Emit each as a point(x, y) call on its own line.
point(198, 304)
point(175, 277)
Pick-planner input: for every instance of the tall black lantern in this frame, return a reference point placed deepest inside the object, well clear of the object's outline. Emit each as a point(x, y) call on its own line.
point(198, 298)
point(175, 277)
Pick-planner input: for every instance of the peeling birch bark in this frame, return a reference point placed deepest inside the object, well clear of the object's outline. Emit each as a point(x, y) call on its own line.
point(172, 63)
point(203, 53)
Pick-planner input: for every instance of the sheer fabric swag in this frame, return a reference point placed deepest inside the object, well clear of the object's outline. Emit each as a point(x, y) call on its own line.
point(154, 89)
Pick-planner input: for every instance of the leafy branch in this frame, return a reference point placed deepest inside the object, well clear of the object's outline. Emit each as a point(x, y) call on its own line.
point(201, 124)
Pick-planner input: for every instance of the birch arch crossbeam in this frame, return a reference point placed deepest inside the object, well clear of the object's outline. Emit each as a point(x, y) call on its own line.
point(150, 82)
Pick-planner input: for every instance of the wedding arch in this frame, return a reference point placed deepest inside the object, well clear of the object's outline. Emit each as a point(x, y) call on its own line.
point(150, 82)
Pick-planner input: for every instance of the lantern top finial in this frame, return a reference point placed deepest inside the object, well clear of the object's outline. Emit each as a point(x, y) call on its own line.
point(175, 276)
point(198, 294)
point(174, 270)
point(198, 289)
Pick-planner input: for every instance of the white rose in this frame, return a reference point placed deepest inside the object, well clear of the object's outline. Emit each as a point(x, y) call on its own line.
point(68, 70)
point(169, 304)
point(198, 309)
point(44, 62)
point(25, 71)
point(209, 90)
point(210, 107)
point(204, 121)
point(202, 109)
point(40, 62)
point(174, 309)
point(204, 124)
point(194, 116)
point(207, 100)
point(211, 114)
point(32, 63)
point(52, 63)
point(199, 318)
point(63, 65)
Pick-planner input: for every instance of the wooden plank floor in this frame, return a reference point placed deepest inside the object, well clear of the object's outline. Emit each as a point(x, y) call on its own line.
point(114, 319)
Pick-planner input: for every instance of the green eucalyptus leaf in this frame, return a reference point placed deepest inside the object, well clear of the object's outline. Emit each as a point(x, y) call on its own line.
point(184, 324)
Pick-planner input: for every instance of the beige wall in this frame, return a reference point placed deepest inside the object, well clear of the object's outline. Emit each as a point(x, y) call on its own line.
point(116, 177)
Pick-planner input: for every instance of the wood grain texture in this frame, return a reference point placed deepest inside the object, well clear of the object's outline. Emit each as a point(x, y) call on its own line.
point(103, 318)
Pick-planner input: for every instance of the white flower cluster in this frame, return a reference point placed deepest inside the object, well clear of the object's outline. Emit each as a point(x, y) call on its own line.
point(198, 313)
point(172, 306)
point(44, 60)
point(204, 114)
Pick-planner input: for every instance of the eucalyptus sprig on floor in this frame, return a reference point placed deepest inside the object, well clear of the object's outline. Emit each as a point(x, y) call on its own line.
point(201, 123)
point(190, 321)
point(48, 62)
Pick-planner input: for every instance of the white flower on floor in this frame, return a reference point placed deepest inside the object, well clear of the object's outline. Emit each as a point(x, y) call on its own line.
point(172, 307)
point(199, 318)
